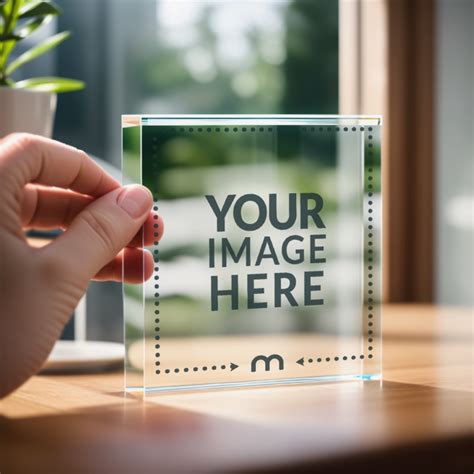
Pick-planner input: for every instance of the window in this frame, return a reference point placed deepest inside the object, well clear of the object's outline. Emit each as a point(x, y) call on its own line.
point(172, 56)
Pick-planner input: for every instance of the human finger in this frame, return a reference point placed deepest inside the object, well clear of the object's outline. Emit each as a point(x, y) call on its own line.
point(101, 231)
point(51, 208)
point(26, 158)
point(132, 265)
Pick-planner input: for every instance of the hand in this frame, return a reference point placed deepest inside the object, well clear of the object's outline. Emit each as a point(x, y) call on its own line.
point(45, 184)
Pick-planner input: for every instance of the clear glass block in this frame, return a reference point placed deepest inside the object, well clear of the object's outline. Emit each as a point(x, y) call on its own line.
point(269, 269)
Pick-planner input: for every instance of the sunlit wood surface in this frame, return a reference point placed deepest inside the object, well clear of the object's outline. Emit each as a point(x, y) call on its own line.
point(419, 419)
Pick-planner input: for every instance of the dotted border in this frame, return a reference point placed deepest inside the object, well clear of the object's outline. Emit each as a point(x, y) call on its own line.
point(318, 360)
point(370, 242)
point(221, 129)
point(203, 368)
point(156, 261)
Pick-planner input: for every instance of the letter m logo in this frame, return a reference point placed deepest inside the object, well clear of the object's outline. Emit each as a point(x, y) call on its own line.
point(267, 361)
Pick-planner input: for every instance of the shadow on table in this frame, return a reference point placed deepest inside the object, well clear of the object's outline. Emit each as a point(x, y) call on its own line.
point(340, 427)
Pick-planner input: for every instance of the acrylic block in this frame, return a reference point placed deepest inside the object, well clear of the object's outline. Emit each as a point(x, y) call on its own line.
point(269, 269)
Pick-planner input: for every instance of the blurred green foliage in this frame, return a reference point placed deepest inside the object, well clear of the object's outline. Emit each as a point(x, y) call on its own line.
point(311, 68)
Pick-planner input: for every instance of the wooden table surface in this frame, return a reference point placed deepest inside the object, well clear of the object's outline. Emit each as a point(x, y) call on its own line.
point(419, 418)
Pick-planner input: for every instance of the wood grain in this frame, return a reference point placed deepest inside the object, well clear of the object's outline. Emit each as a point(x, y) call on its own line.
point(420, 415)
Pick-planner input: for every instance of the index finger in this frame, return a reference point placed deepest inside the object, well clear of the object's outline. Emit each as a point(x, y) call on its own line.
point(26, 158)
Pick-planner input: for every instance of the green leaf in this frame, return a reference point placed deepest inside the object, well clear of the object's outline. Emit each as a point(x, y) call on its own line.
point(39, 8)
point(27, 29)
point(7, 48)
point(50, 84)
point(36, 51)
point(6, 8)
point(10, 37)
point(10, 14)
point(5, 82)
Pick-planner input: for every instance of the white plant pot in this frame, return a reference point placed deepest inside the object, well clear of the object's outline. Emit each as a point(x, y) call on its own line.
point(26, 111)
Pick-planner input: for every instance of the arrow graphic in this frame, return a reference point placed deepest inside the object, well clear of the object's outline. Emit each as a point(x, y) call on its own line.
point(204, 368)
point(300, 361)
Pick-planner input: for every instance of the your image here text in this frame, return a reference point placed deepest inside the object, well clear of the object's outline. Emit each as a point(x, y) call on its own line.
point(303, 211)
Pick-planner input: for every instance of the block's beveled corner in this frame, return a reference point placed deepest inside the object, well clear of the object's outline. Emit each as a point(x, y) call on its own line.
point(130, 121)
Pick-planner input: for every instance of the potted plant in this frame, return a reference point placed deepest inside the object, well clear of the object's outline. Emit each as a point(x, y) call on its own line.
point(28, 105)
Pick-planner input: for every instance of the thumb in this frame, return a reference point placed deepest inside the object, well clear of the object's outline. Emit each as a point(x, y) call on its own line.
point(102, 229)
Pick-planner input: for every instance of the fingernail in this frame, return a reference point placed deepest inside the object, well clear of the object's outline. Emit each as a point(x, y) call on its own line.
point(135, 200)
